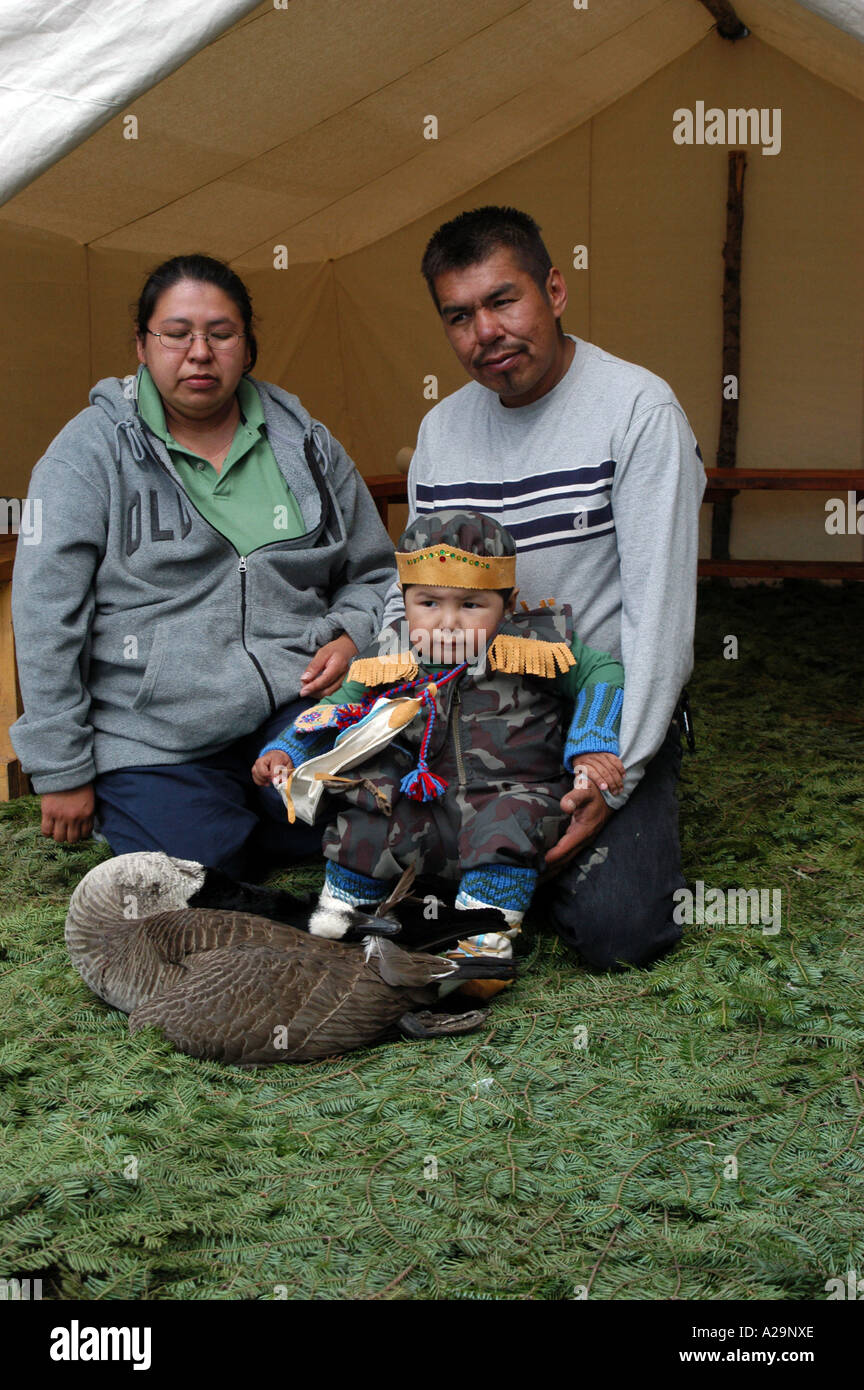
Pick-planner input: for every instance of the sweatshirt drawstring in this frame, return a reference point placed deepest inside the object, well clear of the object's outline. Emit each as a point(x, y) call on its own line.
point(133, 438)
point(323, 443)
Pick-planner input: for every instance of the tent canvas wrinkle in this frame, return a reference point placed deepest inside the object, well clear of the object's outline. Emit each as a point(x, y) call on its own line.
point(69, 67)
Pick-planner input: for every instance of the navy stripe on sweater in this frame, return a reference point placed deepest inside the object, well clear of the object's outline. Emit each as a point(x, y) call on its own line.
point(521, 490)
point(539, 511)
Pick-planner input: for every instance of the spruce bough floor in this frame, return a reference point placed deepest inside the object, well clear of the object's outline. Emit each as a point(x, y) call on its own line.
point(127, 1171)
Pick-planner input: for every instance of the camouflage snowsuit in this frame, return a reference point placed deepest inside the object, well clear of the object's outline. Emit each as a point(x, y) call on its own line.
point(498, 742)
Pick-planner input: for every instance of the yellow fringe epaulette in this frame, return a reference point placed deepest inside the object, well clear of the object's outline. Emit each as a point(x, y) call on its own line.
point(383, 670)
point(525, 656)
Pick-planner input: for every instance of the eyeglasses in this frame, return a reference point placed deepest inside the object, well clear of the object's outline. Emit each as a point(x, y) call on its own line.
point(219, 339)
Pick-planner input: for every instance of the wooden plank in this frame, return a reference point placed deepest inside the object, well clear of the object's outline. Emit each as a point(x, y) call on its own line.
point(787, 479)
point(7, 557)
point(782, 569)
point(390, 487)
point(12, 780)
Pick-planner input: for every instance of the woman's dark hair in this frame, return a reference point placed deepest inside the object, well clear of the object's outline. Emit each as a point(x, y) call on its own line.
point(207, 271)
point(474, 236)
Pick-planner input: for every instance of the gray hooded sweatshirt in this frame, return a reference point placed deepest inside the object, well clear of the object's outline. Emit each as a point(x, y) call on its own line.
point(142, 636)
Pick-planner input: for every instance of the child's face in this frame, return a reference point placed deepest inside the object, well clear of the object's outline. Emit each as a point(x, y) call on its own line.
point(449, 626)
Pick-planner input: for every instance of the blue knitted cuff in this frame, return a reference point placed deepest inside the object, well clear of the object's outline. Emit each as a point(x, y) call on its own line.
point(594, 727)
point(301, 746)
point(354, 888)
point(499, 885)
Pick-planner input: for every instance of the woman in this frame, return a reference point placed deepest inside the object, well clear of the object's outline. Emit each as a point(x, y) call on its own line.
point(210, 562)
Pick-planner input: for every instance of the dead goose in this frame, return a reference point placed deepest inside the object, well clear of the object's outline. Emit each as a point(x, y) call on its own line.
point(239, 988)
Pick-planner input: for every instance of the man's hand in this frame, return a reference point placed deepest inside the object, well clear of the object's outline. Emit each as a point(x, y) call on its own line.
point(326, 670)
point(68, 816)
point(588, 813)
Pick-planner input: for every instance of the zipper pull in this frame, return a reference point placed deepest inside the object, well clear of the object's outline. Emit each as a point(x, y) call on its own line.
point(242, 565)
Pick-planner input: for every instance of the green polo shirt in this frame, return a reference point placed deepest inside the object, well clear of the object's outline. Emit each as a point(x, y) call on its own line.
point(249, 502)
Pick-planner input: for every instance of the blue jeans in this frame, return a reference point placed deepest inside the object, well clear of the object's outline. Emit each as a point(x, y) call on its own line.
point(209, 810)
point(613, 902)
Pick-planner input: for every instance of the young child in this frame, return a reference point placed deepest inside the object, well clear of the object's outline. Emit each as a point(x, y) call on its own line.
point(513, 704)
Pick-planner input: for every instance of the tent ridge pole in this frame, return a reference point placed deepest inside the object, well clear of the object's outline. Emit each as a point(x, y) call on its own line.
point(728, 26)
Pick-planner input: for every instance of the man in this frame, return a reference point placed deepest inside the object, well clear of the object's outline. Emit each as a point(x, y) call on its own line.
point(590, 463)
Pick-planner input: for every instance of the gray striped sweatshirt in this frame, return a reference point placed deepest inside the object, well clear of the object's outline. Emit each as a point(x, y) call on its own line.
point(600, 483)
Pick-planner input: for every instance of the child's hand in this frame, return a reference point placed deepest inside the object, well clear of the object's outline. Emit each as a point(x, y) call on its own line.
point(603, 769)
point(269, 765)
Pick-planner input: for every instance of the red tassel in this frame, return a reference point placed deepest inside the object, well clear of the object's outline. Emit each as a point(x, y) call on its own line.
point(421, 785)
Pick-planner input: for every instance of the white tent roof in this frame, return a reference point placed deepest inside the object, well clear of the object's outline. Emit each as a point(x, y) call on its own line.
point(303, 124)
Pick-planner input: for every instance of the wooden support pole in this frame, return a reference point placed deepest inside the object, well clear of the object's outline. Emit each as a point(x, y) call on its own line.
point(721, 519)
point(729, 26)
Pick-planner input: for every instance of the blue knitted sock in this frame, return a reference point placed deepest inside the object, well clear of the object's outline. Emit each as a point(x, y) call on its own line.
point(504, 886)
point(353, 888)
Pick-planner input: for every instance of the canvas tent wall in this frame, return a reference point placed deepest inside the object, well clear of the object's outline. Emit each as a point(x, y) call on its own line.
point(302, 126)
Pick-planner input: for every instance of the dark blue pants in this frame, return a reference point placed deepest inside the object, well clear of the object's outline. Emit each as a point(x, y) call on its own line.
point(613, 902)
point(209, 810)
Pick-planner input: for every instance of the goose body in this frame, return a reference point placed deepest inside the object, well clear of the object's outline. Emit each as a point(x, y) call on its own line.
point(240, 988)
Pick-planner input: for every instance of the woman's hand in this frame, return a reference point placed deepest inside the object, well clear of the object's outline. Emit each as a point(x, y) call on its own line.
point(326, 670)
point(268, 765)
point(605, 770)
point(68, 816)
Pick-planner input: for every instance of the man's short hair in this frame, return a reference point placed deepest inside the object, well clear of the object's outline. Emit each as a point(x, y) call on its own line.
point(474, 236)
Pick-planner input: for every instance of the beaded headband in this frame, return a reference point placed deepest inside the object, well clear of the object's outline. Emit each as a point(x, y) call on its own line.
point(452, 568)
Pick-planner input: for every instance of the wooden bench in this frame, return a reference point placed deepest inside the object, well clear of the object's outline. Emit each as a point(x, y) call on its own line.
point(726, 483)
point(392, 488)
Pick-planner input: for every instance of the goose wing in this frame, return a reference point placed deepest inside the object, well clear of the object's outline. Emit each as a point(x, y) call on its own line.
point(254, 991)
point(252, 1002)
point(414, 972)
